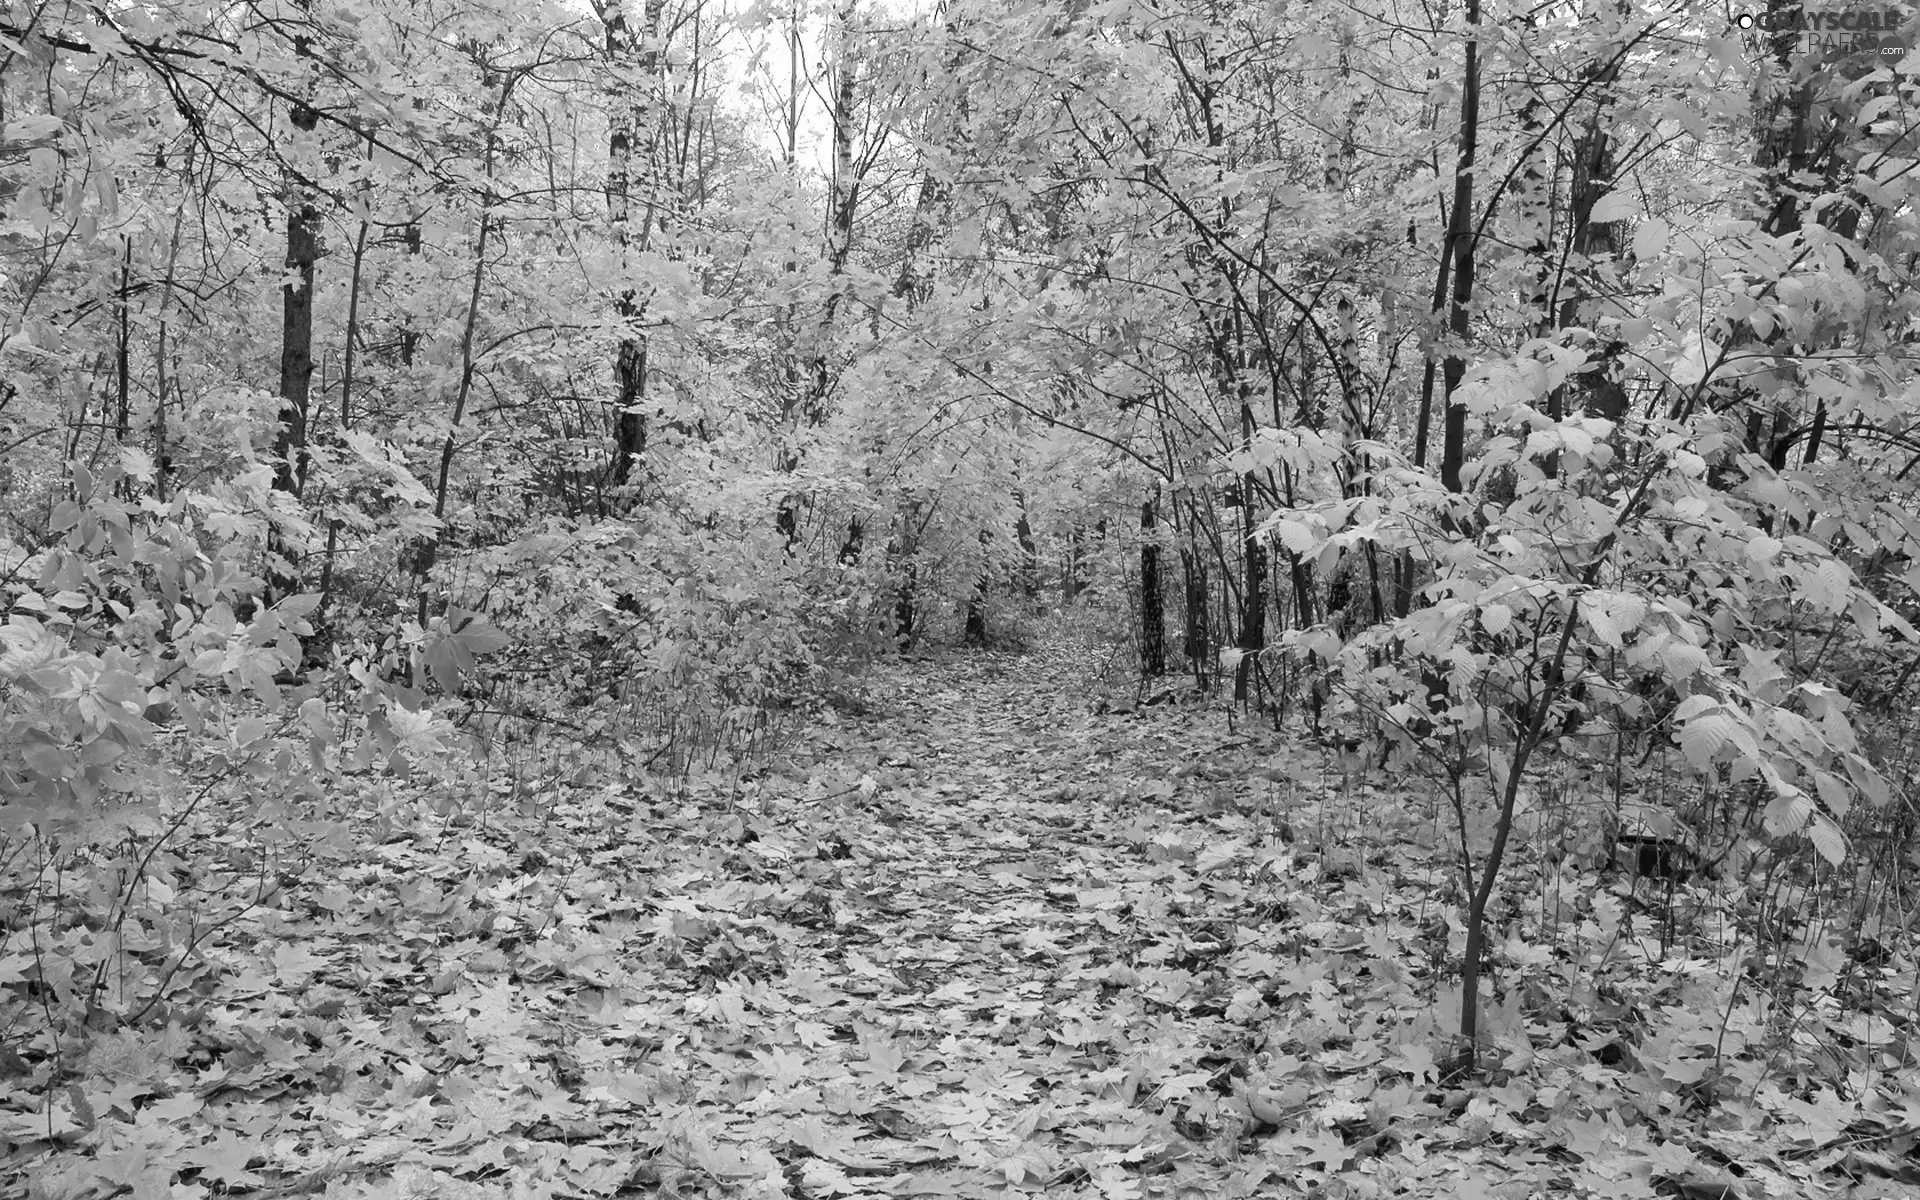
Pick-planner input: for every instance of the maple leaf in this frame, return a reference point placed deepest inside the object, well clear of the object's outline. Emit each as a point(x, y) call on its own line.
point(1416, 1060)
point(1821, 1119)
point(225, 1158)
point(295, 964)
point(1473, 1188)
point(1324, 1148)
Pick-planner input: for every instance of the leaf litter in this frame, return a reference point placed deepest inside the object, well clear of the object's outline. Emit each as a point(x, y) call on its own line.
point(985, 940)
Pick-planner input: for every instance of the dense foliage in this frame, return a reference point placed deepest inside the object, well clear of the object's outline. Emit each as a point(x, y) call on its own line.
point(1484, 390)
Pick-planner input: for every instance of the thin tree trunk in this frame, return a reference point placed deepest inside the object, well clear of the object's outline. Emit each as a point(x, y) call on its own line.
point(423, 564)
point(1071, 580)
point(1199, 649)
point(1530, 738)
point(296, 345)
point(123, 358)
point(1816, 434)
point(905, 604)
point(1589, 241)
point(348, 362)
point(1793, 148)
point(900, 559)
point(856, 538)
point(1785, 120)
point(1460, 245)
point(410, 336)
point(631, 122)
point(162, 456)
point(1029, 548)
point(1153, 617)
point(976, 627)
point(808, 406)
point(913, 286)
point(1253, 596)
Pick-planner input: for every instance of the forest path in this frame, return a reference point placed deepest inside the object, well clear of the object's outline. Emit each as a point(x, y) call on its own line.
point(978, 940)
point(1018, 941)
point(986, 937)
point(982, 938)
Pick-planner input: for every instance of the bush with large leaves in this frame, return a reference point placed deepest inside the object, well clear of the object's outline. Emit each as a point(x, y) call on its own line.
point(1620, 593)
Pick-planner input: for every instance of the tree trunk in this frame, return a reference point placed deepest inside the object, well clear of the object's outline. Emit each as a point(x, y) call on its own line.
point(409, 335)
point(1193, 578)
point(296, 360)
point(1253, 596)
point(1784, 120)
point(807, 405)
point(348, 377)
point(901, 548)
point(1029, 549)
point(1153, 617)
point(123, 357)
point(1590, 242)
point(1460, 245)
point(1797, 146)
point(463, 389)
point(976, 631)
point(631, 121)
point(296, 332)
point(630, 387)
point(1072, 581)
point(905, 604)
point(1480, 891)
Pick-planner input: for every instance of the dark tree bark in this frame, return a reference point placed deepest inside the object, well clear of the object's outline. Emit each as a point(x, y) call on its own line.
point(1253, 597)
point(1590, 242)
point(1029, 549)
point(1073, 581)
point(631, 121)
point(630, 389)
point(1456, 268)
point(1786, 147)
point(1199, 637)
point(1460, 246)
point(296, 336)
point(410, 336)
point(348, 377)
point(1153, 616)
point(976, 630)
point(906, 604)
point(123, 357)
point(296, 359)
point(900, 560)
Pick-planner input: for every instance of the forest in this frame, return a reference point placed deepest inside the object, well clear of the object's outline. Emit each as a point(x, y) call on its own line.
point(994, 598)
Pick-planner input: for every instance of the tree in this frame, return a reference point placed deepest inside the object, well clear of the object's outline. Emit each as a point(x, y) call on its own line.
point(633, 58)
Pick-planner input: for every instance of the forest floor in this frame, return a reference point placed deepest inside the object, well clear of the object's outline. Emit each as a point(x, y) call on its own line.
point(983, 935)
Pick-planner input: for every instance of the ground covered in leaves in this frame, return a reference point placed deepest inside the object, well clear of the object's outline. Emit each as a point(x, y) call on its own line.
point(987, 934)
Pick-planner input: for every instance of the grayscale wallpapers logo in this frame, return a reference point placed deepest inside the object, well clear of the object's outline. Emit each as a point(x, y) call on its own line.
point(1837, 32)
